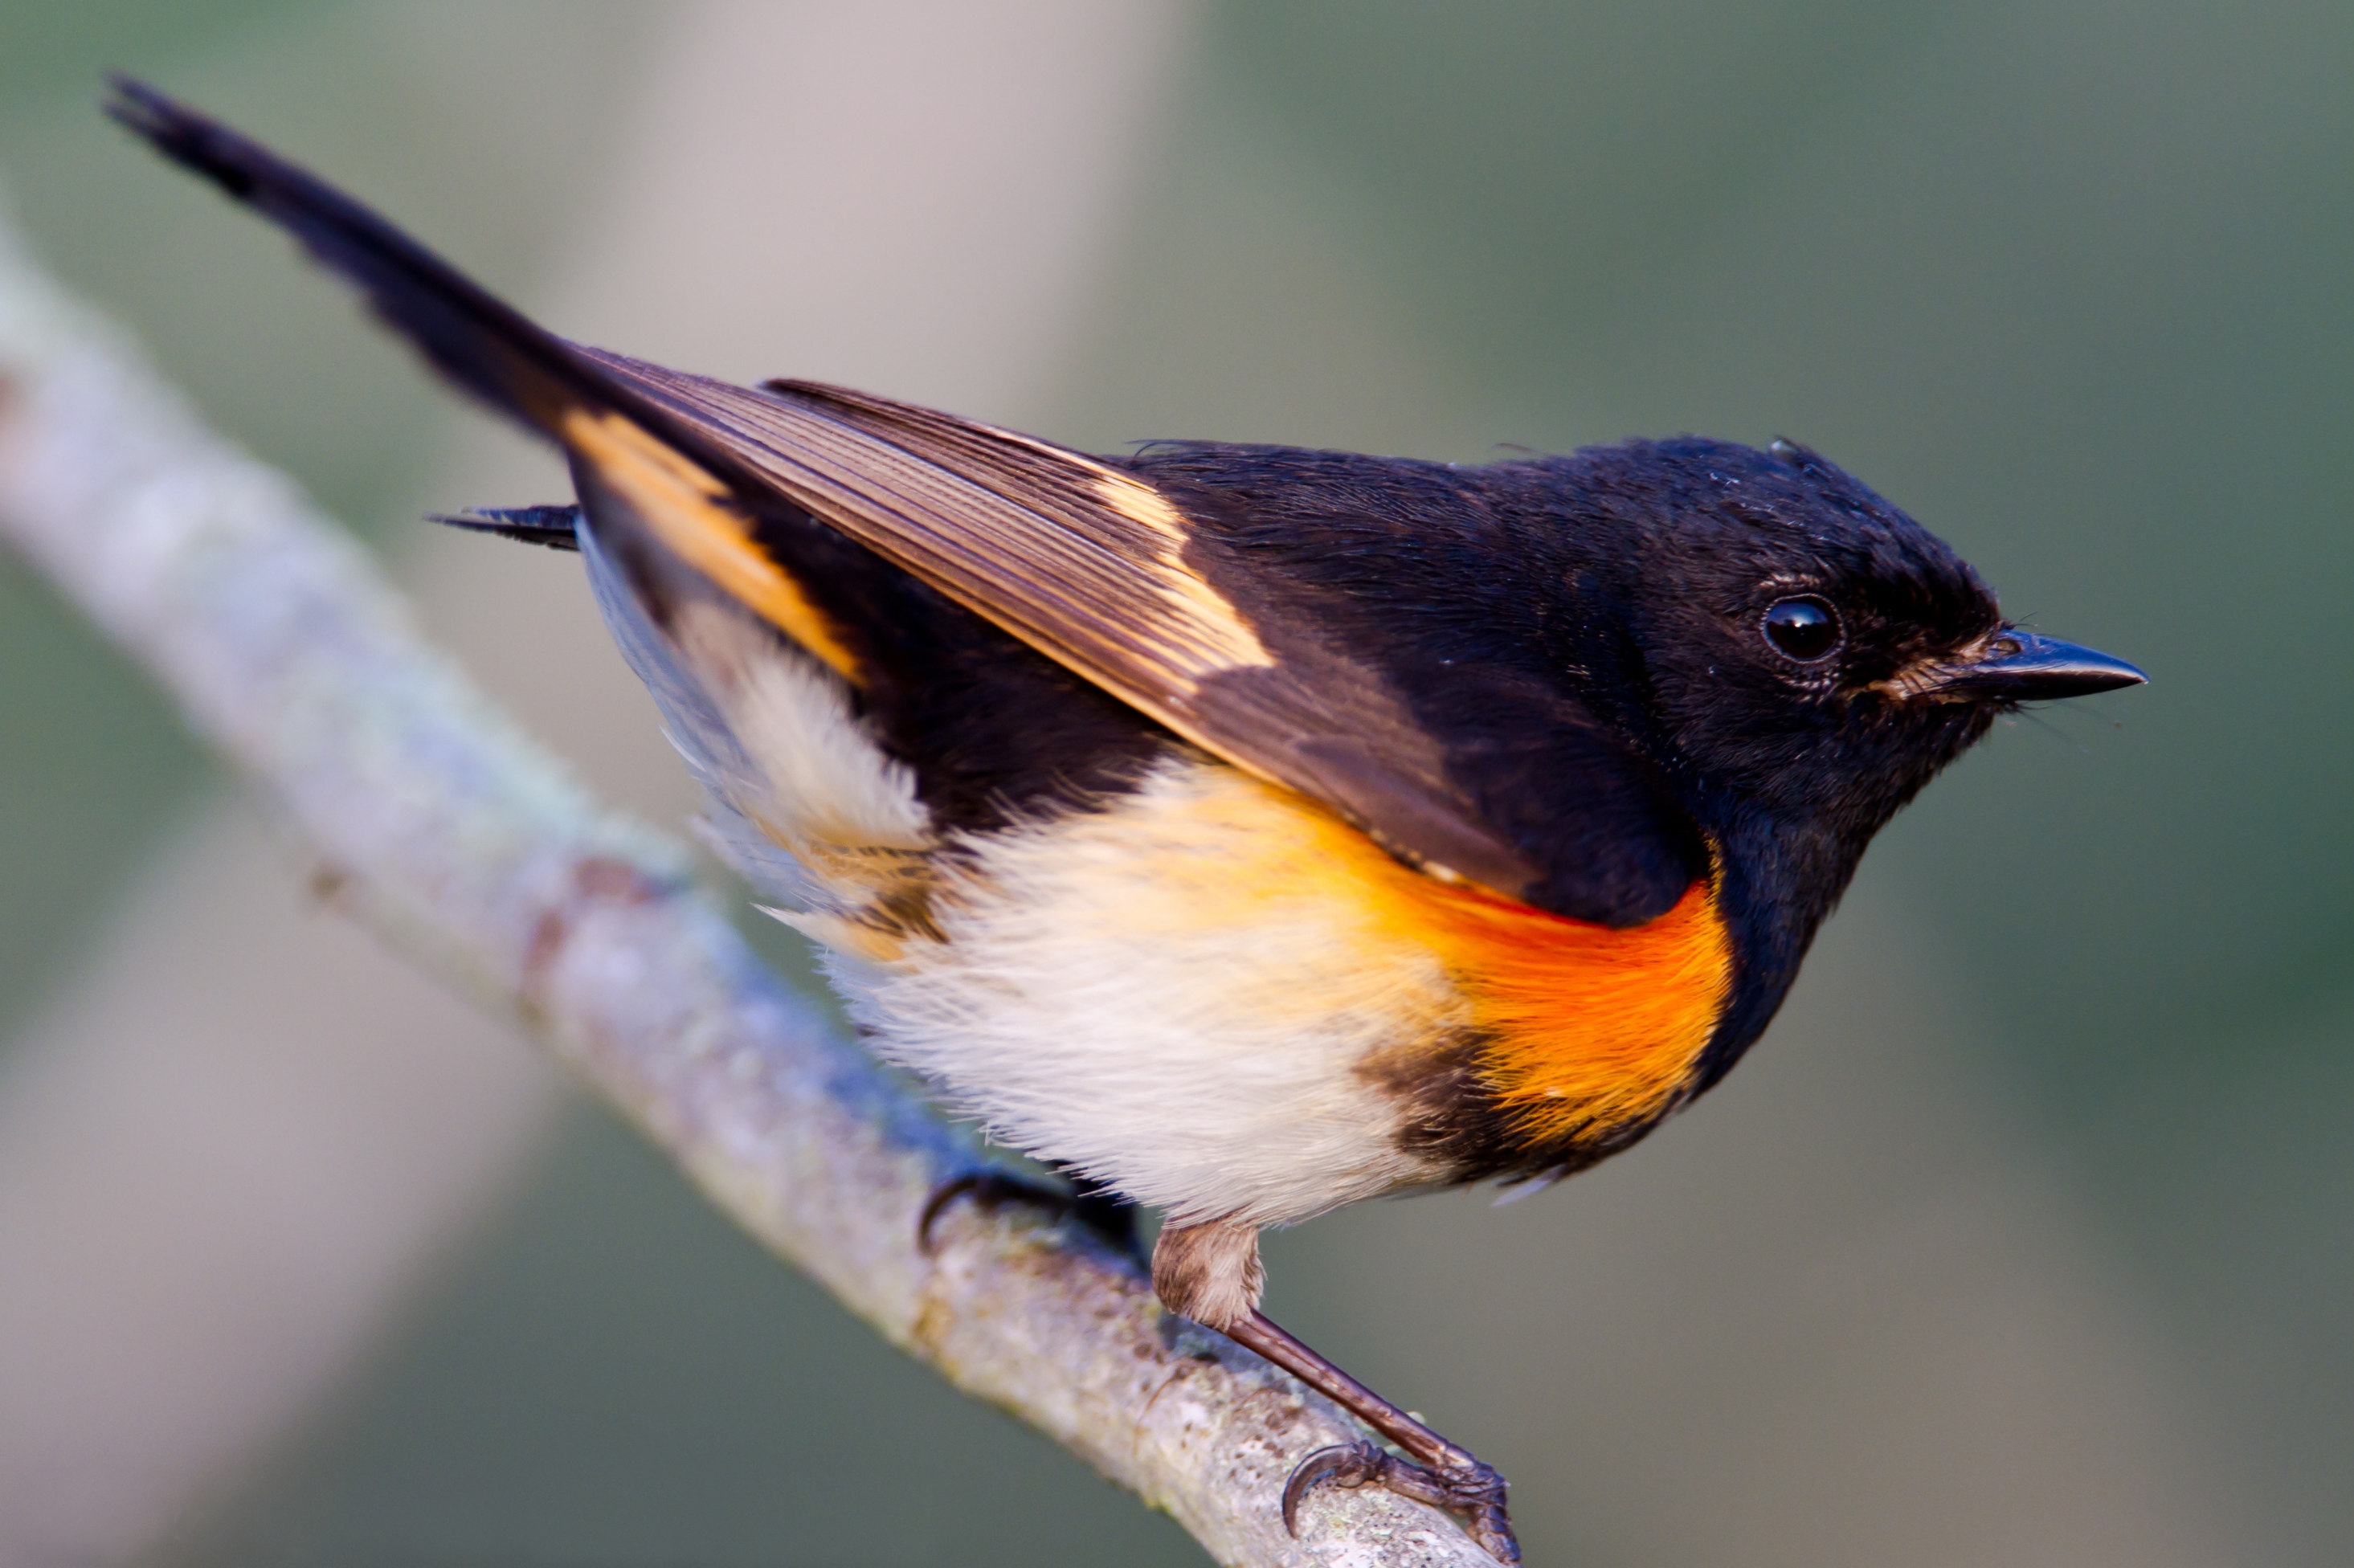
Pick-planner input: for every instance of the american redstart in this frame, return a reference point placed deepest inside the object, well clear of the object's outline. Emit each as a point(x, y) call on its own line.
point(1244, 829)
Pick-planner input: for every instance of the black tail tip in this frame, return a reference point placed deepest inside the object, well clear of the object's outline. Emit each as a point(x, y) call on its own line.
point(192, 140)
point(128, 97)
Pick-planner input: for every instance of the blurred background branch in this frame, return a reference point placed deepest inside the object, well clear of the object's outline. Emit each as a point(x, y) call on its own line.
point(426, 815)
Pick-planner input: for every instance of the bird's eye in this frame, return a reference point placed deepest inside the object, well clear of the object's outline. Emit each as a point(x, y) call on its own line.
point(1802, 629)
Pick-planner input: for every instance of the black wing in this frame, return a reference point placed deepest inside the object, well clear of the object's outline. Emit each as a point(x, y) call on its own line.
point(1098, 570)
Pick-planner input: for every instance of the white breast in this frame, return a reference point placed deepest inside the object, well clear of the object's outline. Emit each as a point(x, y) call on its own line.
point(1172, 996)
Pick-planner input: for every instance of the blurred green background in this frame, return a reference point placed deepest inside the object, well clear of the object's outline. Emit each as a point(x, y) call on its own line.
point(2070, 282)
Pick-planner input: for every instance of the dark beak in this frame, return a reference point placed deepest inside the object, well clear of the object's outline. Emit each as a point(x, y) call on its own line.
point(2021, 667)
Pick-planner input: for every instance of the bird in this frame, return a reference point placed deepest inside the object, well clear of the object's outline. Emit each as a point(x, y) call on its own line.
point(1245, 831)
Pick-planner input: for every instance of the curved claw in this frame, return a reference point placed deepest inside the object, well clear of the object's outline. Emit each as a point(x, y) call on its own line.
point(1493, 1530)
point(1108, 1216)
point(1477, 1493)
point(971, 1184)
point(1343, 1464)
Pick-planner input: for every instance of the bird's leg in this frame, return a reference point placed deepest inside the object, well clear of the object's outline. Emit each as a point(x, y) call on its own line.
point(1212, 1273)
point(1093, 1204)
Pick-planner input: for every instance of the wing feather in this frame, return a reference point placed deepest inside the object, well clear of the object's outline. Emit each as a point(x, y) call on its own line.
point(1100, 571)
point(1092, 567)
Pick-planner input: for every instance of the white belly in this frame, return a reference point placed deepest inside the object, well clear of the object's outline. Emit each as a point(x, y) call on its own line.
point(1173, 996)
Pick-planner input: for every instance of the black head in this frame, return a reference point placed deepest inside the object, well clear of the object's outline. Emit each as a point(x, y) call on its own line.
point(1779, 638)
point(1637, 661)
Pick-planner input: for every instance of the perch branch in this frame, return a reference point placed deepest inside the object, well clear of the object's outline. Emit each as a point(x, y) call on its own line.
point(438, 824)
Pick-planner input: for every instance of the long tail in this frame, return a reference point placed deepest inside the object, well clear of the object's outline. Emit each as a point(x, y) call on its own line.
point(640, 466)
point(672, 521)
point(477, 340)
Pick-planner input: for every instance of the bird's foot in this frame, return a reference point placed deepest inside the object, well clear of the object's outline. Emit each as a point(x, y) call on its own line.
point(1443, 1473)
point(1109, 1216)
point(1474, 1492)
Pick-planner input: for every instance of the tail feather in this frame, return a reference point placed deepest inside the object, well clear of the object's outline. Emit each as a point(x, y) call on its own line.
point(485, 345)
point(642, 466)
point(865, 718)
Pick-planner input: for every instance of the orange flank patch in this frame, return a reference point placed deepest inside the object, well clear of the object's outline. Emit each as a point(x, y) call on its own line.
point(1588, 1028)
point(688, 510)
point(1591, 1028)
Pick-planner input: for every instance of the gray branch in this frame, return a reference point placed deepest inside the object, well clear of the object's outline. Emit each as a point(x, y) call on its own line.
point(440, 826)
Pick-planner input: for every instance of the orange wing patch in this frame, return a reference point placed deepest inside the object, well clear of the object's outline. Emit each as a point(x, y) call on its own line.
point(691, 513)
point(1100, 571)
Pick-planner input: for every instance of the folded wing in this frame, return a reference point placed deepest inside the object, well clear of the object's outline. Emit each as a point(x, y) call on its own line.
point(1089, 565)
